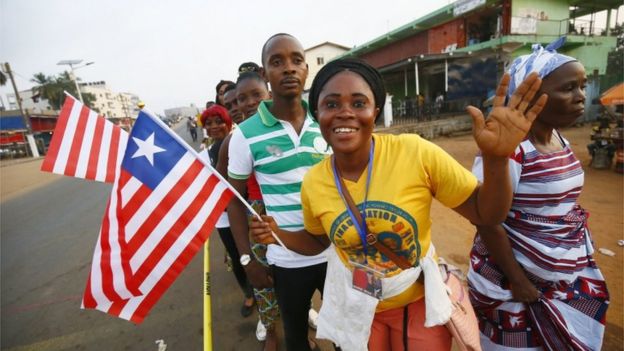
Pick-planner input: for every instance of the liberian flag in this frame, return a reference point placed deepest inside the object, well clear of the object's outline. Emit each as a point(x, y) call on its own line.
point(84, 145)
point(163, 206)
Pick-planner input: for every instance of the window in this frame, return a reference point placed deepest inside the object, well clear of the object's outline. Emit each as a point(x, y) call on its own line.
point(320, 60)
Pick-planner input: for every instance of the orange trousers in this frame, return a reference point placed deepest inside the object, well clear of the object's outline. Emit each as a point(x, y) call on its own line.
point(387, 331)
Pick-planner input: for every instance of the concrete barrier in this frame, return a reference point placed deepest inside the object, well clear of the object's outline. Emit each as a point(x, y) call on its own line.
point(450, 126)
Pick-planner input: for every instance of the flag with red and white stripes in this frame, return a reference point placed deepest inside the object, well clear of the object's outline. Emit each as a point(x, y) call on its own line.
point(84, 144)
point(163, 206)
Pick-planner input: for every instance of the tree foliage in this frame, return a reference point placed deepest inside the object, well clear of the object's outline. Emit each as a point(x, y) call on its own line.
point(52, 88)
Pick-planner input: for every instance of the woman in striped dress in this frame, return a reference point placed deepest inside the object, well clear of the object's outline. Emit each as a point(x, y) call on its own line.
point(533, 281)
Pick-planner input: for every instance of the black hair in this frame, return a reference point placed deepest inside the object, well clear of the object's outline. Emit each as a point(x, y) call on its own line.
point(230, 86)
point(363, 69)
point(219, 85)
point(263, 56)
point(251, 75)
point(248, 67)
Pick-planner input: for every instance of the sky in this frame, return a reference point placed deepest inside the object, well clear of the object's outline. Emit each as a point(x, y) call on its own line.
point(173, 53)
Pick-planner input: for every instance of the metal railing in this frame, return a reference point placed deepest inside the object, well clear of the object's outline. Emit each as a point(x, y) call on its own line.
point(407, 111)
point(531, 25)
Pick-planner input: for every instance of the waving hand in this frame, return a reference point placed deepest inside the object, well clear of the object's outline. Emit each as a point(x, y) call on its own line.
point(507, 126)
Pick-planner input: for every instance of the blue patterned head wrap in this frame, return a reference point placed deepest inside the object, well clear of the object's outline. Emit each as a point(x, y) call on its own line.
point(542, 60)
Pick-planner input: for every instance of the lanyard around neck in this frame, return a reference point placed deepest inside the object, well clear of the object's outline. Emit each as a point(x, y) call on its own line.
point(360, 227)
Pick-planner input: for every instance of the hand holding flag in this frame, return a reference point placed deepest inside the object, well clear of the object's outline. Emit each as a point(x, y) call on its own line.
point(163, 206)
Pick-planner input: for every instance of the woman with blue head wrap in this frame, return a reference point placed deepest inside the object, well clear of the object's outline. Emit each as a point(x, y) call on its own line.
point(533, 281)
point(541, 60)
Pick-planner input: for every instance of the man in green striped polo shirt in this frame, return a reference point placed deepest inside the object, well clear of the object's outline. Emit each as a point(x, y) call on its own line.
point(278, 145)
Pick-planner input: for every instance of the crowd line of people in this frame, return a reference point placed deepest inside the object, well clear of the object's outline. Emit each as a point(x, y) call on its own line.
point(353, 206)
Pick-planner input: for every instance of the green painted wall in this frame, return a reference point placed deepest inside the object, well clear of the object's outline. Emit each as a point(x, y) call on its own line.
point(592, 52)
point(593, 57)
point(554, 9)
point(553, 14)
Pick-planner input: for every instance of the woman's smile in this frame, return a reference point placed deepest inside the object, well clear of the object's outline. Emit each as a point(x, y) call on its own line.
point(345, 130)
point(347, 113)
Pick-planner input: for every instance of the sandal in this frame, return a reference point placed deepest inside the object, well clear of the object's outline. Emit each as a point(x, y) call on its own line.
point(246, 311)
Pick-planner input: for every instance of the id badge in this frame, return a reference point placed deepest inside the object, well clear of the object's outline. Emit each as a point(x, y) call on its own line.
point(366, 280)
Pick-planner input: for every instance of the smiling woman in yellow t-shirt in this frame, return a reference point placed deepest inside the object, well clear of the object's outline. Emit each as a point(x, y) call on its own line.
point(392, 180)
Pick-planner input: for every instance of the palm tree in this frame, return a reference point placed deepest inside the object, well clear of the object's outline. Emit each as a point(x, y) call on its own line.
point(47, 88)
point(53, 89)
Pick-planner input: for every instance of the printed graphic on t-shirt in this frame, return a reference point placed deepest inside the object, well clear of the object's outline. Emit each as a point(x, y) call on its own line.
point(393, 227)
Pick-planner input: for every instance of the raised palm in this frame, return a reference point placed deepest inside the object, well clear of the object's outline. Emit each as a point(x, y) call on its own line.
point(507, 126)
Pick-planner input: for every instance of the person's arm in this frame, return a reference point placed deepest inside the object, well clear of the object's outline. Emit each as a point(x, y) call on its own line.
point(498, 245)
point(497, 138)
point(239, 166)
point(491, 200)
point(222, 163)
point(300, 241)
point(257, 274)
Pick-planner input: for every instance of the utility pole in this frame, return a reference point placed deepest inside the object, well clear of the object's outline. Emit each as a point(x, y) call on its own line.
point(29, 133)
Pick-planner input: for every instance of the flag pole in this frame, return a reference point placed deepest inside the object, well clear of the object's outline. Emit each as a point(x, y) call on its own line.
point(207, 306)
point(214, 171)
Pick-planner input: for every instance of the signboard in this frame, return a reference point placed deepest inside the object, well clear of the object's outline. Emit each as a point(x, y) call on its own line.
point(523, 25)
point(463, 6)
point(11, 123)
point(11, 138)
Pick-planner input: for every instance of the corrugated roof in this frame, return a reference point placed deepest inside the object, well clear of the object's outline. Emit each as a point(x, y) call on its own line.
point(586, 7)
point(445, 14)
point(432, 19)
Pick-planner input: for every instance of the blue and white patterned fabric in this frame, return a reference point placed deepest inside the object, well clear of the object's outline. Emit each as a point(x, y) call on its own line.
point(542, 60)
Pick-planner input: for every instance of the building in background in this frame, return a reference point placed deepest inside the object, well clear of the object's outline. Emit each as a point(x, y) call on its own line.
point(108, 103)
point(318, 55)
point(13, 142)
point(120, 108)
point(176, 113)
point(462, 49)
point(30, 102)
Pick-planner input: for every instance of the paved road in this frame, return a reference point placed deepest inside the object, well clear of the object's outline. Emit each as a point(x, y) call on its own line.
point(47, 237)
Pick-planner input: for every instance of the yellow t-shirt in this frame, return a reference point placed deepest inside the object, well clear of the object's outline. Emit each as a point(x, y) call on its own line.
point(408, 172)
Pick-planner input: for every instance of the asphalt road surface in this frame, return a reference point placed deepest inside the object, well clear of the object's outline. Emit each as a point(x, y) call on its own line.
point(47, 240)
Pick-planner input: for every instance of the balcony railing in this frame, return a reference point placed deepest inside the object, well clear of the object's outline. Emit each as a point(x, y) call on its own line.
point(536, 26)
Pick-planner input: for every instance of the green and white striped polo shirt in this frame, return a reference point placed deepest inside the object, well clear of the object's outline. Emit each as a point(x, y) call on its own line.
point(279, 157)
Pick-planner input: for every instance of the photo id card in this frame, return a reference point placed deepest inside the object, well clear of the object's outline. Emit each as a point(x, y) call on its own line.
point(367, 280)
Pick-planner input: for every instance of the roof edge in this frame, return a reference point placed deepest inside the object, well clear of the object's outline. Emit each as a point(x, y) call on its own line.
point(328, 43)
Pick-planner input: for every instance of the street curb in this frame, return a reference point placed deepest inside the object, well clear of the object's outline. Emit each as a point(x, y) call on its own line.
point(16, 161)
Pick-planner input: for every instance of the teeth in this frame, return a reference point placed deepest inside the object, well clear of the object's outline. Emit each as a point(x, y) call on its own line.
point(344, 130)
